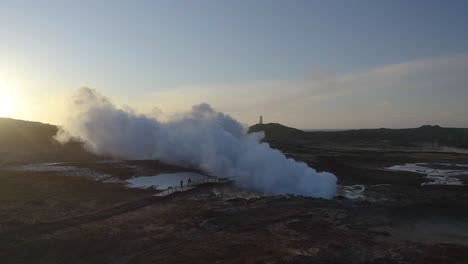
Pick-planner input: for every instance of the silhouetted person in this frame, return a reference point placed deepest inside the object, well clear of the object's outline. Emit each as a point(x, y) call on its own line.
point(189, 181)
point(181, 184)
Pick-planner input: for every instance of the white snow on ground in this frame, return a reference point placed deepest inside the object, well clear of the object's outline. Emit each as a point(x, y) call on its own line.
point(164, 180)
point(450, 165)
point(353, 191)
point(435, 176)
point(361, 192)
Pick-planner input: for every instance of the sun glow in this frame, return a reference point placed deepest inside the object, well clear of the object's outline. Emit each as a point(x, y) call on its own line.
point(7, 102)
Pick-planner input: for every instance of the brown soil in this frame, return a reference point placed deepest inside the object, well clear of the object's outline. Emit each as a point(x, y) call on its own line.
point(46, 217)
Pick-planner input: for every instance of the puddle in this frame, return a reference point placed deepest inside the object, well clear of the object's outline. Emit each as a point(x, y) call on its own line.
point(160, 181)
point(57, 166)
point(353, 191)
point(435, 176)
point(66, 170)
point(164, 181)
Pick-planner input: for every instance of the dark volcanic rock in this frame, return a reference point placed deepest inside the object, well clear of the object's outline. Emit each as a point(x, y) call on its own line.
point(274, 130)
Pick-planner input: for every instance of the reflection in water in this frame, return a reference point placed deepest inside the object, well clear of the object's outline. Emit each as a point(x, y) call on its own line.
point(164, 181)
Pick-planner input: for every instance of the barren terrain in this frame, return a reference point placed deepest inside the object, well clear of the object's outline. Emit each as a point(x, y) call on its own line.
point(54, 209)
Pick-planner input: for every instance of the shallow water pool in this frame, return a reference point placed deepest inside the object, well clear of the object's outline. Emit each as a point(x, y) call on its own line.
point(164, 180)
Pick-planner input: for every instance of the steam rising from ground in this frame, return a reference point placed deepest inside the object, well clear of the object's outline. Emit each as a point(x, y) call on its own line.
point(203, 138)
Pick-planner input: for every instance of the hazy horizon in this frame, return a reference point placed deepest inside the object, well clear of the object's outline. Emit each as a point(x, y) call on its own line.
point(304, 129)
point(305, 64)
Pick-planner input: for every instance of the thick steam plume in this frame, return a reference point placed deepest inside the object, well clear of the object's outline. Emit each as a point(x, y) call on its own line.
point(203, 138)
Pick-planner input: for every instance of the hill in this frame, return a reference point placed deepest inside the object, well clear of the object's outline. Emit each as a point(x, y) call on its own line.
point(27, 141)
point(19, 134)
point(433, 135)
point(275, 130)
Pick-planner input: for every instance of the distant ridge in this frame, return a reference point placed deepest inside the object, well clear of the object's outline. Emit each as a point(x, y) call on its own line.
point(432, 135)
point(34, 142)
point(427, 134)
point(25, 134)
point(19, 134)
point(275, 130)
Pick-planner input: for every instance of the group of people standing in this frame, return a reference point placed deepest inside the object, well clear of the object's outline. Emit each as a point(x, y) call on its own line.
point(189, 182)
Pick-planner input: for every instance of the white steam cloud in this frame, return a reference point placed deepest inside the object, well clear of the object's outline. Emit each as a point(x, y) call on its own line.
point(202, 138)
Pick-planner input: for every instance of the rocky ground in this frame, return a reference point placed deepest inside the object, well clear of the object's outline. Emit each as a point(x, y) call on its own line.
point(379, 215)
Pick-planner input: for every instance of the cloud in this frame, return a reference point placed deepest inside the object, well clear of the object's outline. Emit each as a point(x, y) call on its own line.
point(417, 90)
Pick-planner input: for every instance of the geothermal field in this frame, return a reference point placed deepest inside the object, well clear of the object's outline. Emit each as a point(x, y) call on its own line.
point(113, 186)
point(229, 131)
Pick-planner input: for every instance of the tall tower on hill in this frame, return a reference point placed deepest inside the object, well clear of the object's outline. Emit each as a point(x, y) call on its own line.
point(261, 120)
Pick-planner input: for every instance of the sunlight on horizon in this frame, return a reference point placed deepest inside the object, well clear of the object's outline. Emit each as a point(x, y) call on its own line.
point(7, 102)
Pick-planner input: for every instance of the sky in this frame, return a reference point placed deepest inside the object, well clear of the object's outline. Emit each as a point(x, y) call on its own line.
point(307, 64)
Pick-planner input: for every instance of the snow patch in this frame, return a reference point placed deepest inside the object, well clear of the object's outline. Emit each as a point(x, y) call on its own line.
point(435, 176)
point(353, 191)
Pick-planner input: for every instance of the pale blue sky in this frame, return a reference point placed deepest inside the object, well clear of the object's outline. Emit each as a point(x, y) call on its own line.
point(157, 53)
